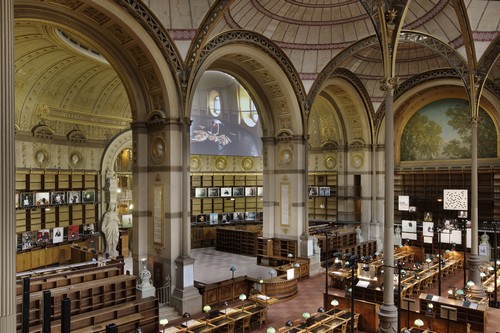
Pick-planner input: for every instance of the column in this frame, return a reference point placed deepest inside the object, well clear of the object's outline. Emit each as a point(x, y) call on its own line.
point(185, 297)
point(268, 203)
point(474, 259)
point(388, 312)
point(7, 171)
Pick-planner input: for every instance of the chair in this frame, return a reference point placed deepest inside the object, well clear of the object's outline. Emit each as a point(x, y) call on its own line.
point(262, 317)
point(341, 329)
point(228, 328)
point(245, 323)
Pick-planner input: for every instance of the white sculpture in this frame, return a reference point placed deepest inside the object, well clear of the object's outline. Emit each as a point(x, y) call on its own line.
point(397, 236)
point(359, 237)
point(110, 225)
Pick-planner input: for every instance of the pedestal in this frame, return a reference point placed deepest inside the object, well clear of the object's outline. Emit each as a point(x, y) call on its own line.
point(474, 275)
point(185, 297)
point(388, 315)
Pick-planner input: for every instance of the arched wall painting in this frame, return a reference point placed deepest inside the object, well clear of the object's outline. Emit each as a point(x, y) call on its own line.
point(441, 130)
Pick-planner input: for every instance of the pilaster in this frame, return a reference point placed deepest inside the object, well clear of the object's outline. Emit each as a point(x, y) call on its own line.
point(7, 171)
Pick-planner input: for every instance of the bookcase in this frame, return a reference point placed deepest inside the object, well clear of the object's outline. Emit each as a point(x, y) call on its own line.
point(55, 208)
point(276, 248)
point(237, 241)
point(226, 197)
point(322, 205)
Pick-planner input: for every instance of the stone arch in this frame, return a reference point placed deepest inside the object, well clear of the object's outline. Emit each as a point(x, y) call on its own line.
point(265, 71)
point(140, 57)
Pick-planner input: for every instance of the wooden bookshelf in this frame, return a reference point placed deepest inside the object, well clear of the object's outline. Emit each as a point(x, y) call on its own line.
point(237, 241)
point(323, 207)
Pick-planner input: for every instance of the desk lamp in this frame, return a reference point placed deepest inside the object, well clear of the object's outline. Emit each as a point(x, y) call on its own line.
point(163, 323)
point(335, 303)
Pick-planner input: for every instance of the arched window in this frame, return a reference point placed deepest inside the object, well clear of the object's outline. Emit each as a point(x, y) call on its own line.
point(247, 108)
point(214, 103)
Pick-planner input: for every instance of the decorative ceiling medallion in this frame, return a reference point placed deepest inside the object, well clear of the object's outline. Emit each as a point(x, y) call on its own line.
point(41, 157)
point(195, 163)
point(247, 163)
point(357, 161)
point(285, 157)
point(330, 162)
point(221, 163)
point(75, 159)
point(158, 150)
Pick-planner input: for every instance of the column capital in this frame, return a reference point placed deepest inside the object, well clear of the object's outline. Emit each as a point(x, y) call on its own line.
point(389, 84)
point(186, 121)
point(474, 120)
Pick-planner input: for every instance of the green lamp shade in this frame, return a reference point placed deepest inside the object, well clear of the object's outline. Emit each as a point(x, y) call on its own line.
point(306, 315)
point(334, 302)
point(270, 330)
point(207, 308)
point(163, 321)
point(243, 297)
point(419, 322)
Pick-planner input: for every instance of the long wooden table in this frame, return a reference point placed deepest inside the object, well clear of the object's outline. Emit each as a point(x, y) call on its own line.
point(322, 323)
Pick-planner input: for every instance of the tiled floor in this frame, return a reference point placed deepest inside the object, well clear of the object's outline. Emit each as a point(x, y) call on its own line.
point(212, 266)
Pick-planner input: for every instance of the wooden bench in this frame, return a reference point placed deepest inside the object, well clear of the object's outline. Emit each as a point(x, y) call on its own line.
point(85, 296)
point(127, 316)
point(66, 278)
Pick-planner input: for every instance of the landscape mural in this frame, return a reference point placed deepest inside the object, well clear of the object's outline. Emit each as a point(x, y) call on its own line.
point(441, 130)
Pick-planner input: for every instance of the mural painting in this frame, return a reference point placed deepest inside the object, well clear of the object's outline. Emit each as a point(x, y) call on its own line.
point(441, 130)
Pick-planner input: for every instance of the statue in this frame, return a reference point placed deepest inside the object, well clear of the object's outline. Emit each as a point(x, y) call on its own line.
point(359, 237)
point(110, 229)
point(397, 236)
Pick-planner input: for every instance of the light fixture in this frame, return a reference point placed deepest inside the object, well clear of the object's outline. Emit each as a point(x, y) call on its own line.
point(118, 190)
point(163, 323)
point(289, 323)
point(186, 315)
point(232, 269)
point(306, 315)
point(491, 268)
point(270, 330)
point(418, 322)
point(272, 272)
point(430, 305)
point(470, 284)
point(296, 265)
point(334, 303)
point(290, 255)
point(131, 206)
point(321, 309)
point(207, 308)
point(242, 298)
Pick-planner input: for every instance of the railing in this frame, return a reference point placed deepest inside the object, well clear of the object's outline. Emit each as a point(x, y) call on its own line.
point(163, 293)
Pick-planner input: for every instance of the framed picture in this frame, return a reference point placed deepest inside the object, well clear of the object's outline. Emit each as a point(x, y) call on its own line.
point(57, 235)
point(324, 191)
point(214, 218)
point(42, 236)
point(226, 192)
point(88, 196)
point(238, 216)
point(127, 221)
point(73, 232)
point(313, 191)
point(428, 217)
point(42, 198)
point(250, 216)
point(250, 191)
point(200, 192)
point(74, 197)
point(213, 192)
point(226, 217)
point(27, 199)
point(27, 240)
point(238, 191)
point(462, 214)
point(260, 191)
point(58, 198)
point(201, 218)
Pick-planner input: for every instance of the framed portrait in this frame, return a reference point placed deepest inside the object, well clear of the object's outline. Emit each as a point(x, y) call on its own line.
point(27, 240)
point(462, 214)
point(200, 192)
point(27, 199)
point(88, 196)
point(213, 192)
point(73, 232)
point(42, 198)
point(250, 191)
point(324, 191)
point(238, 191)
point(313, 191)
point(226, 192)
point(74, 197)
point(201, 218)
point(57, 235)
point(58, 198)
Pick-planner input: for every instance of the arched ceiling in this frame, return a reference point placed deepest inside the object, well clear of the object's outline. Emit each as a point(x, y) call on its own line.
point(64, 83)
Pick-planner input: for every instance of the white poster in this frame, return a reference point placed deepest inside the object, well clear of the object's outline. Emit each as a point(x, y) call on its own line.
point(409, 226)
point(428, 229)
point(456, 237)
point(58, 235)
point(427, 239)
point(409, 235)
point(468, 238)
point(285, 206)
point(404, 202)
point(455, 199)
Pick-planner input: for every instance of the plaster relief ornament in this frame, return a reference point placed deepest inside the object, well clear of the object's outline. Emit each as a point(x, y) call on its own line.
point(158, 150)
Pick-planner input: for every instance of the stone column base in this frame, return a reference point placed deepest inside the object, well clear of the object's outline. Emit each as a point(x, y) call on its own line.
point(388, 316)
point(186, 297)
point(474, 276)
